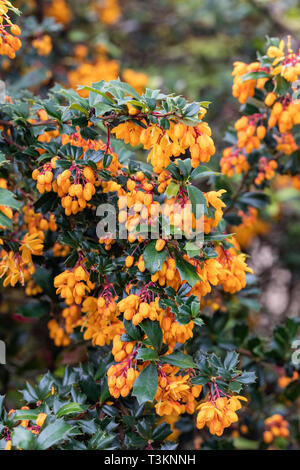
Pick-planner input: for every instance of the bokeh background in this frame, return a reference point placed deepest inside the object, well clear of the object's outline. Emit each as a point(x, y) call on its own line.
point(185, 46)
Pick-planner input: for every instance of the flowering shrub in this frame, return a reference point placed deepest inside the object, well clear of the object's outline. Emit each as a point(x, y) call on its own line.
point(138, 292)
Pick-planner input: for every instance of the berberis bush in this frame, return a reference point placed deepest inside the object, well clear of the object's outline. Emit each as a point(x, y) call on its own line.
point(139, 258)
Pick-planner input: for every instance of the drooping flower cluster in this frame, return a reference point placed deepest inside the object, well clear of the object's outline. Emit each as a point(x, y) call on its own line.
point(275, 426)
point(9, 41)
point(219, 412)
point(175, 394)
point(166, 143)
point(73, 285)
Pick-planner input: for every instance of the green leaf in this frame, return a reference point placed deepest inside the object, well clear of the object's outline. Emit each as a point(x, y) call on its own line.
point(197, 198)
point(246, 378)
point(145, 386)
point(80, 108)
point(147, 354)
point(217, 236)
point(54, 433)
point(154, 332)
point(23, 439)
point(255, 75)
point(179, 359)
point(125, 87)
point(5, 221)
point(161, 432)
point(172, 190)
point(200, 380)
point(202, 172)
point(2, 159)
point(70, 408)
point(133, 331)
point(7, 198)
point(154, 259)
point(231, 360)
point(186, 270)
point(243, 444)
point(257, 199)
point(25, 414)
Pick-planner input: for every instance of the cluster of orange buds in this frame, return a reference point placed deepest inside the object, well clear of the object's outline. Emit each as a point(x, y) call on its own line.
point(285, 114)
point(7, 211)
point(287, 65)
point(233, 161)
point(43, 44)
point(242, 90)
point(73, 284)
point(89, 144)
point(266, 170)
point(164, 179)
point(71, 316)
point(107, 241)
point(286, 143)
point(228, 270)
point(101, 321)
point(58, 334)
point(9, 42)
point(175, 394)
point(250, 226)
point(121, 350)
point(75, 192)
point(284, 380)
point(109, 11)
point(174, 332)
point(250, 131)
point(36, 223)
point(168, 274)
point(164, 143)
point(121, 377)
point(60, 250)
point(175, 141)
point(44, 176)
point(219, 411)
point(139, 307)
point(105, 303)
point(178, 211)
point(59, 10)
point(88, 72)
point(275, 426)
point(136, 207)
point(32, 288)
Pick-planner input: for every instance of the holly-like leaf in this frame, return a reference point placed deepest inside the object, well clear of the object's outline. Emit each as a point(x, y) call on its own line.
point(186, 270)
point(147, 354)
point(70, 408)
point(154, 332)
point(54, 433)
point(154, 259)
point(8, 199)
point(179, 359)
point(145, 386)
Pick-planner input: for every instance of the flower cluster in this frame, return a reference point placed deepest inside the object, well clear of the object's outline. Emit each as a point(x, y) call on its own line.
point(73, 284)
point(9, 41)
point(166, 143)
point(275, 426)
point(175, 395)
point(219, 412)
